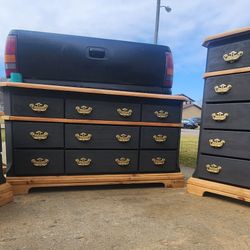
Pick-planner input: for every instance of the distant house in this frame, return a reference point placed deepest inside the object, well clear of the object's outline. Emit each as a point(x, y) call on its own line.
point(190, 109)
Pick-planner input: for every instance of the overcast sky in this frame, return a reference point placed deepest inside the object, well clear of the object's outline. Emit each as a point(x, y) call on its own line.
point(183, 29)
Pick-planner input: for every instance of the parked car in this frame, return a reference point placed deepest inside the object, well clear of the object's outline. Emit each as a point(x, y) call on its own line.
point(188, 123)
point(80, 61)
point(196, 120)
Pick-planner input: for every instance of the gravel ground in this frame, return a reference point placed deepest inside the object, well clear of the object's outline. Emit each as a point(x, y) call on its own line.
point(123, 217)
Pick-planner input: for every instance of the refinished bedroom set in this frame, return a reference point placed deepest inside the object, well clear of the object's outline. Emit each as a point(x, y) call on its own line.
point(85, 111)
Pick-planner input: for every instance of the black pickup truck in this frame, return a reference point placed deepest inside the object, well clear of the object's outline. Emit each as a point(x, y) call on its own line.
point(88, 62)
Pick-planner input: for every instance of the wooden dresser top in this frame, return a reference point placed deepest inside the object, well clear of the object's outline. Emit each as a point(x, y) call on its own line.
point(227, 34)
point(91, 91)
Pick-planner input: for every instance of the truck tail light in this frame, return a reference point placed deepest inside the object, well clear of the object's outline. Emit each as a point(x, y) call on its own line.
point(10, 59)
point(168, 79)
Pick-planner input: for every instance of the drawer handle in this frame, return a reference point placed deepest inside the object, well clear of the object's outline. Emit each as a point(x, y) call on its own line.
point(213, 168)
point(216, 143)
point(38, 107)
point(219, 116)
point(161, 114)
point(124, 112)
point(233, 56)
point(223, 88)
point(159, 161)
point(83, 162)
point(83, 136)
point(39, 135)
point(83, 110)
point(40, 162)
point(160, 138)
point(122, 161)
point(123, 138)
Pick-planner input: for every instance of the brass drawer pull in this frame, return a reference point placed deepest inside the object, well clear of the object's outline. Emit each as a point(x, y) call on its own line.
point(83, 136)
point(83, 110)
point(213, 168)
point(233, 56)
point(39, 135)
point(123, 138)
point(216, 143)
point(38, 107)
point(83, 162)
point(160, 138)
point(159, 161)
point(124, 112)
point(161, 114)
point(40, 162)
point(223, 88)
point(219, 116)
point(122, 161)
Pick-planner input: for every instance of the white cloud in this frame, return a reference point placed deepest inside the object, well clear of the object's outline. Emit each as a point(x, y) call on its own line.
point(183, 29)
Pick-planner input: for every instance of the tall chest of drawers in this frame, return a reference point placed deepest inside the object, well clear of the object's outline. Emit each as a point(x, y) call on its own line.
point(58, 135)
point(224, 146)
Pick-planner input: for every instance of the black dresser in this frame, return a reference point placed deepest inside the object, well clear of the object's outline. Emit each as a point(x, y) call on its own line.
point(68, 131)
point(224, 148)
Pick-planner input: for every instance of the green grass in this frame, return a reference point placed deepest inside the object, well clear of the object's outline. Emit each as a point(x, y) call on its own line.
point(3, 134)
point(188, 150)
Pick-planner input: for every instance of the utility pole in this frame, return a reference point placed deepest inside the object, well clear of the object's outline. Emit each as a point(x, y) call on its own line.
point(157, 18)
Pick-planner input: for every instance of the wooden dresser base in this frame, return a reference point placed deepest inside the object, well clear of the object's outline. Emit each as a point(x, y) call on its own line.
point(199, 187)
point(6, 194)
point(22, 185)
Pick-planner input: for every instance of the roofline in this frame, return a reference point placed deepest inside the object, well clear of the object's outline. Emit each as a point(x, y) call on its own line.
point(186, 97)
point(190, 105)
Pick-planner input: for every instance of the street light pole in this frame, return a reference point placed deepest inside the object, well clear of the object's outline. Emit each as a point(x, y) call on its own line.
point(157, 18)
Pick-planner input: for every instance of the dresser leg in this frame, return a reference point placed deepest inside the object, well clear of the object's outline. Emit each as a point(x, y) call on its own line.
point(6, 194)
point(21, 189)
point(195, 190)
point(199, 187)
point(174, 183)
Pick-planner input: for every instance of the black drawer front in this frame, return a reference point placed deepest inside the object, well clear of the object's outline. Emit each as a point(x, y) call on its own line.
point(38, 162)
point(159, 138)
point(37, 105)
point(102, 110)
point(225, 143)
point(228, 88)
point(215, 57)
point(169, 111)
point(101, 137)
point(234, 116)
point(229, 171)
point(38, 135)
point(100, 161)
point(158, 161)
